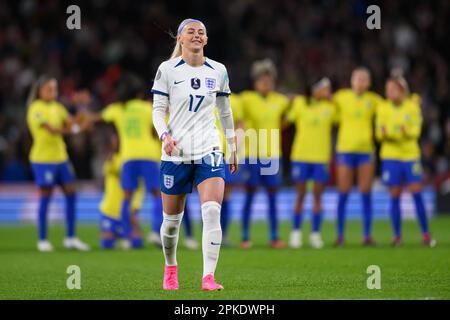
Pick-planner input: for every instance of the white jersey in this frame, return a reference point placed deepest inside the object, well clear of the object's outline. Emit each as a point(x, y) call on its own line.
point(192, 93)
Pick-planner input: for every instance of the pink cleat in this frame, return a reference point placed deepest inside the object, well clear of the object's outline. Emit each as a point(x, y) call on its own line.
point(209, 284)
point(170, 278)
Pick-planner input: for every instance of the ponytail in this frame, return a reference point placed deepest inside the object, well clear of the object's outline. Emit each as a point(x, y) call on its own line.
point(176, 51)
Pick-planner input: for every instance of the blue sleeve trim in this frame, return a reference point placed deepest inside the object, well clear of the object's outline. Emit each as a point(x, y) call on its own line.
point(160, 92)
point(223, 94)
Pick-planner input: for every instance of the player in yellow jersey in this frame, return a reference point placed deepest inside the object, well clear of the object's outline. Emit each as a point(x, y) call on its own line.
point(139, 150)
point(311, 153)
point(48, 121)
point(231, 180)
point(356, 109)
point(398, 128)
point(263, 109)
point(110, 218)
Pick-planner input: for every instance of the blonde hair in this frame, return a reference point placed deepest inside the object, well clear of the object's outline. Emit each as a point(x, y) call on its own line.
point(177, 50)
point(401, 82)
point(263, 67)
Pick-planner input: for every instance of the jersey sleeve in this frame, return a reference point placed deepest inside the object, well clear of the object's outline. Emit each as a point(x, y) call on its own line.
point(380, 122)
point(161, 82)
point(295, 110)
point(63, 113)
point(109, 114)
point(413, 126)
point(224, 84)
point(337, 98)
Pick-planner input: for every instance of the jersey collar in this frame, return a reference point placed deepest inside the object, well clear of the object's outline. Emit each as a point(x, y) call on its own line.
point(181, 62)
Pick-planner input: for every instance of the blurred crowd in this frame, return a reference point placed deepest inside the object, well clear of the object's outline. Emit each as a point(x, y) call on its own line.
point(306, 40)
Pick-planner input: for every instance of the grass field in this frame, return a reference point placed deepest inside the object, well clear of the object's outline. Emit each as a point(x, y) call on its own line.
point(409, 272)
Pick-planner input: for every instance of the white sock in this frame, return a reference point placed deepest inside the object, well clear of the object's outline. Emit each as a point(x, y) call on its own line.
point(170, 229)
point(212, 236)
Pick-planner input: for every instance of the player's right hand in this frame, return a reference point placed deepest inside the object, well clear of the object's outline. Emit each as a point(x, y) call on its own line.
point(170, 146)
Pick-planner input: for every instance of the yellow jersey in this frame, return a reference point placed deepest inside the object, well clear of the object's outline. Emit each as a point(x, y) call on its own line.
point(355, 116)
point(236, 108)
point(398, 144)
point(263, 113)
point(133, 121)
point(47, 147)
point(111, 203)
point(314, 121)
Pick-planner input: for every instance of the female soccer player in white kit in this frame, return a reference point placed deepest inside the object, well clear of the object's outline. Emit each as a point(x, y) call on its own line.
point(189, 85)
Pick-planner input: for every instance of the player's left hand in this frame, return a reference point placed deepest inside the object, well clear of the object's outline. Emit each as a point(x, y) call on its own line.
point(233, 162)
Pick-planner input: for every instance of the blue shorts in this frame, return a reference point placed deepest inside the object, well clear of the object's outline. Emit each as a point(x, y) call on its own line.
point(257, 174)
point(395, 173)
point(179, 178)
point(108, 224)
point(133, 170)
point(353, 160)
point(304, 171)
point(49, 174)
point(233, 178)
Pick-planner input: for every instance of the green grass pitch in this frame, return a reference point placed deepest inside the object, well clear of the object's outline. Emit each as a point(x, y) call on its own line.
point(409, 272)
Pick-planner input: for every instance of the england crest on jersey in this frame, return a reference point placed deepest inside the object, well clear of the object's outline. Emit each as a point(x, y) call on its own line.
point(210, 83)
point(168, 181)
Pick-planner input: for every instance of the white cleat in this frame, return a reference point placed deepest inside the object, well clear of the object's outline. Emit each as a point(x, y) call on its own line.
point(295, 241)
point(315, 241)
point(75, 244)
point(44, 246)
point(125, 244)
point(190, 243)
point(154, 238)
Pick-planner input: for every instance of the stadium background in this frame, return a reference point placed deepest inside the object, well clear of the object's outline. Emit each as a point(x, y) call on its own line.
point(305, 39)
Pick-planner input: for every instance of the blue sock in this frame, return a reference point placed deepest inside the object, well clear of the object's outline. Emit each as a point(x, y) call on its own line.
point(316, 221)
point(396, 216)
point(297, 220)
point(342, 202)
point(187, 222)
point(246, 216)
point(421, 212)
point(157, 214)
point(273, 216)
point(137, 243)
point(107, 243)
point(367, 213)
point(224, 217)
point(70, 215)
point(125, 218)
point(42, 217)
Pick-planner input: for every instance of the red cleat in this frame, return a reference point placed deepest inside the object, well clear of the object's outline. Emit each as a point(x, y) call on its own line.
point(369, 242)
point(397, 241)
point(246, 244)
point(428, 241)
point(277, 244)
point(339, 242)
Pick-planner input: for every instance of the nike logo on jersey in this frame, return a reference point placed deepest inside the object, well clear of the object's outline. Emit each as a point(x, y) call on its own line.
point(178, 82)
point(214, 170)
point(215, 244)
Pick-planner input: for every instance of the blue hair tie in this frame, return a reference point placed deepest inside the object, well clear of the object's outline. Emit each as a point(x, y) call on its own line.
point(184, 23)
